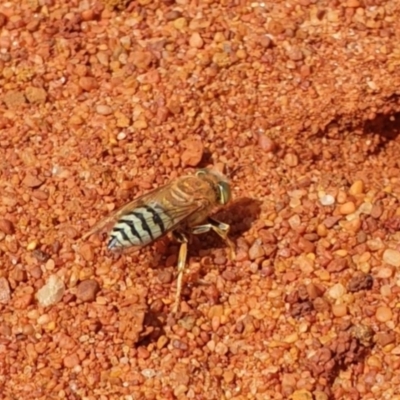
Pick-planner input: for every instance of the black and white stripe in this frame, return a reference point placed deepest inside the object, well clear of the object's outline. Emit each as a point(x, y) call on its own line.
point(140, 226)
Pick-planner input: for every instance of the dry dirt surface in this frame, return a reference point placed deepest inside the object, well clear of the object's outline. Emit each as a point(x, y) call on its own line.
point(297, 102)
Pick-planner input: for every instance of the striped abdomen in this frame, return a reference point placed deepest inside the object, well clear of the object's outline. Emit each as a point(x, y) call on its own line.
point(140, 226)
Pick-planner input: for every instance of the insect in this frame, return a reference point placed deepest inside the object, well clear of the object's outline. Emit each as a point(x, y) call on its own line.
point(182, 207)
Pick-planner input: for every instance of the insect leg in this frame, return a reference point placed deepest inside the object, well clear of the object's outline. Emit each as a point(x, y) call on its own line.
point(220, 229)
point(182, 239)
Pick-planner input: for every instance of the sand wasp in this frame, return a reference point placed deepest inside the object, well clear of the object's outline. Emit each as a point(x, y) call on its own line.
point(182, 207)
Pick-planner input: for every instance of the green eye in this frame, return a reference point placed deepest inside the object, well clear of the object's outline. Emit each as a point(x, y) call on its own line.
point(224, 192)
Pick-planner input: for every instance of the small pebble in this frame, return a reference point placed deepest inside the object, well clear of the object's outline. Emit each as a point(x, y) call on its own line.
point(383, 314)
point(360, 281)
point(385, 272)
point(361, 237)
point(256, 250)
point(32, 245)
point(87, 15)
point(88, 83)
point(339, 310)
point(32, 181)
point(322, 230)
point(295, 53)
point(50, 264)
point(266, 143)
point(374, 362)
point(385, 338)
point(196, 41)
point(180, 23)
point(363, 333)
point(392, 257)
point(141, 59)
point(313, 291)
point(71, 361)
point(23, 302)
point(376, 211)
point(6, 226)
point(162, 341)
point(347, 208)
point(357, 188)
point(75, 120)
point(18, 274)
point(291, 160)
point(294, 221)
point(5, 291)
point(331, 221)
point(165, 276)
point(87, 252)
point(229, 376)
point(43, 319)
point(386, 290)
point(140, 124)
point(103, 109)
point(193, 153)
point(143, 353)
point(35, 95)
point(87, 290)
point(377, 244)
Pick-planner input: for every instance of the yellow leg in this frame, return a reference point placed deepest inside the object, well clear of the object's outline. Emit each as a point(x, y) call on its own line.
point(181, 269)
point(221, 230)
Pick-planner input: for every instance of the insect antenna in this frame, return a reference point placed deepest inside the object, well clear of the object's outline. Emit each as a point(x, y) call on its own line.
point(232, 173)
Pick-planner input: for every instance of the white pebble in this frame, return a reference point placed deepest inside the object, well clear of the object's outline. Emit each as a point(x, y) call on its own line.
point(327, 200)
point(52, 292)
point(294, 221)
point(337, 291)
point(121, 136)
point(148, 373)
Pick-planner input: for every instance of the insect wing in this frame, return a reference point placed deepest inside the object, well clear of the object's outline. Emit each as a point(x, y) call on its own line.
point(153, 211)
point(106, 223)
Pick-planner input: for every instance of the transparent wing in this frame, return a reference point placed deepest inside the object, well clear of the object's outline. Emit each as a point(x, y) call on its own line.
point(155, 198)
point(107, 222)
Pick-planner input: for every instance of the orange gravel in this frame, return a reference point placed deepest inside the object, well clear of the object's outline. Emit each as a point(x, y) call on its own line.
point(297, 101)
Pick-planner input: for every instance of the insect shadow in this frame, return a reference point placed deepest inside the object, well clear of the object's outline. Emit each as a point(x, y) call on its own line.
point(386, 127)
point(240, 215)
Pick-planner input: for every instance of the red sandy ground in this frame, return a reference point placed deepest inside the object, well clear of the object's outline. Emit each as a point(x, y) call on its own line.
point(100, 103)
